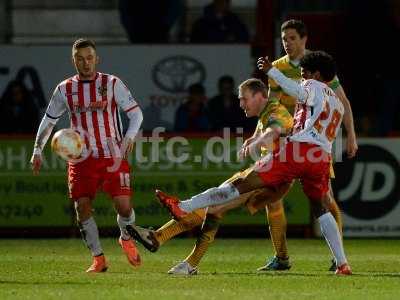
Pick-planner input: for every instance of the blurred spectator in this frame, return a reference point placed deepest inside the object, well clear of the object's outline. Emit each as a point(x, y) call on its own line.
point(148, 21)
point(191, 115)
point(224, 110)
point(388, 71)
point(219, 25)
point(18, 112)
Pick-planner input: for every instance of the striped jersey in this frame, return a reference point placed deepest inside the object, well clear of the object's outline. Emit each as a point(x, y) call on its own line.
point(293, 72)
point(274, 114)
point(93, 107)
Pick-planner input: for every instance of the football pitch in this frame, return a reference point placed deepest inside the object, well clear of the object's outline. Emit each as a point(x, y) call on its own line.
point(54, 269)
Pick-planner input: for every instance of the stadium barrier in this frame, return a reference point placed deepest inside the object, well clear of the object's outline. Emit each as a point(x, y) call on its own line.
point(29, 201)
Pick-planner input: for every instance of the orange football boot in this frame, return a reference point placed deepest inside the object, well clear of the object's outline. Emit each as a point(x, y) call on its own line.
point(343, 270)
point(171, 203)
point(99, 264)
point(132, 253)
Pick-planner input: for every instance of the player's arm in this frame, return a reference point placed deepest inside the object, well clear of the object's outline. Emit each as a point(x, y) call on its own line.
point(348, 122)
point(125, 100)
point(265, 140)
point(290, 86)
point(54, 111)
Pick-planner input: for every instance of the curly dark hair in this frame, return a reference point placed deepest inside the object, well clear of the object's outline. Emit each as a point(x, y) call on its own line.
point(319, 61)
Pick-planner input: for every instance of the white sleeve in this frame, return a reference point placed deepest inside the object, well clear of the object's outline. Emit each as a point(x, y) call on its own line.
point(56, 107)
point(290, 86)
point(125, 100)
point(135, 120)
point(123, 96)
point(54, 111)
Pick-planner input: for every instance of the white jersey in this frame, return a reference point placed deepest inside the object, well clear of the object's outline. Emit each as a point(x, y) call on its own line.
point(318, 114)
point(93, 110)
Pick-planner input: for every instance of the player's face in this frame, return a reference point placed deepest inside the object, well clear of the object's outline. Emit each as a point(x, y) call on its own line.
point(293, 44)
point(85, 61)
point(250, 102)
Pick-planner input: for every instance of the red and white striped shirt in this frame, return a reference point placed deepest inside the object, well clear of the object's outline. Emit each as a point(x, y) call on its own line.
point(93, 110)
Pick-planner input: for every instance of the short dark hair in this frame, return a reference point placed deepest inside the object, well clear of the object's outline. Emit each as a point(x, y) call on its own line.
point(254, 85)
point(297, 25)
point(319, 61)
point(83, 43)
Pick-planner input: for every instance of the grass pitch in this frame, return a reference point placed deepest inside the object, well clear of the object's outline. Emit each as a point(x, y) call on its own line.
point(54, 269)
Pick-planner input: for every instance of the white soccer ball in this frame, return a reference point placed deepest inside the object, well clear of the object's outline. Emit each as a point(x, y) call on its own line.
point(67, 143)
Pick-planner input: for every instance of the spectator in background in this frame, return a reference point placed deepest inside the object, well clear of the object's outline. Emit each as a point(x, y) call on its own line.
point(18, 112)
point(224, 109)
point(148, 21)
point(191, 115)
point(219, 25)
point(389, 70)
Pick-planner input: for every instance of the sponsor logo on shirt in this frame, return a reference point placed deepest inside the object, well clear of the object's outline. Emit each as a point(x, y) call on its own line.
point(99, 105)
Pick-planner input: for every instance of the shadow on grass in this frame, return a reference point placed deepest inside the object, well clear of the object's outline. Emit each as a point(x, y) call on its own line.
point(300, 274)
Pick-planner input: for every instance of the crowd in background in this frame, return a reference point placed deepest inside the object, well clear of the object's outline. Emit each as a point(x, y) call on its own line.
point(365, 51)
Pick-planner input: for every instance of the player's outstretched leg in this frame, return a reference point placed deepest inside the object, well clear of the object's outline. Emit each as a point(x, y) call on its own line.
point(206, 237)
point(90, 234)
point(277, 227)
point(153, 239)
point(144, 236)
point(172, 204)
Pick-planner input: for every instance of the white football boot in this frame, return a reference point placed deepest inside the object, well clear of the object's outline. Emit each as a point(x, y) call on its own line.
point(183, 268)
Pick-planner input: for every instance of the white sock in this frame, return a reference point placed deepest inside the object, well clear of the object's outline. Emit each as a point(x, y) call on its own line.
point(331, 233)
point(213, 196)
point(123, 221)
point(90, 235)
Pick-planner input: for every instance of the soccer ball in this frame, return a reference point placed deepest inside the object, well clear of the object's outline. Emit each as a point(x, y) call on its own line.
point(67, 144)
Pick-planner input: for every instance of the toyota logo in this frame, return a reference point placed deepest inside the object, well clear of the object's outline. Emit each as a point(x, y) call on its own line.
point(175, 74)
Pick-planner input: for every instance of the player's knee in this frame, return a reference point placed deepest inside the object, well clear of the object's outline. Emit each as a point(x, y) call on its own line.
point(317, 208)
point(124, 211)
point(327, 200)
point(123, 206)
point(218, 213)
point(275, 206)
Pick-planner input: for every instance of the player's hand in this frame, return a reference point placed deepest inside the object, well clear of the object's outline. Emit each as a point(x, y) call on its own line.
point(352, 146)
point(36, 163)
point(249, 149)
point(263, 64)
point(127, 147)
point(243, 150)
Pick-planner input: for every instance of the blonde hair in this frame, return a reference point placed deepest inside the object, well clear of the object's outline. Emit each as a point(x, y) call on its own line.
point(254, 85)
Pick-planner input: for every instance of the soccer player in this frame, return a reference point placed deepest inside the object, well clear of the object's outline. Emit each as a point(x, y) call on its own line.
point(92, 100)
point(274, 121)
point(306, 155)
point(294, 38)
